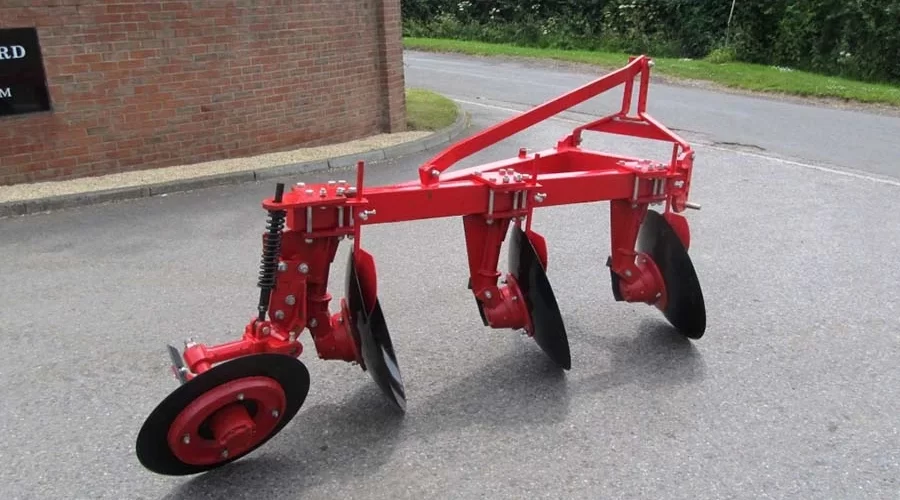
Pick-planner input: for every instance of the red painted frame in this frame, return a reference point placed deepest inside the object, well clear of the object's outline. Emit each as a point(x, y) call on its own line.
point(489, 198)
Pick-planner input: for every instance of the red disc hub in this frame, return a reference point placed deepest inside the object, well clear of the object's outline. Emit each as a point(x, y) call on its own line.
point(227, 421)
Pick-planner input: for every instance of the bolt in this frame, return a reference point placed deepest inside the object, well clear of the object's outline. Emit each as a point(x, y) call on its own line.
point(692, 205)
point(303, 268)
point(308, 241)
point(628, 273)
point(266, 330)
point(340, 191)
point(275, 413)
point(342, 182)
point(279, 314)
point(224, 453)
point(186, 439)
point(332, 183)
point(301, 184)
point(351, 191)
point(519, 177)
point(308, 192)
point(322, 192)
point(313, 323)
point(240, 396)
point(539, 197)
point(290, 300)
point(488, 295)
point(282, 266)
point(434, 172)
point(515, 299)
point(506, 179)
point(502, 171)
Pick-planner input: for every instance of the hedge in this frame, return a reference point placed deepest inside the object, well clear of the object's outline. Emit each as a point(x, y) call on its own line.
point(851, 38)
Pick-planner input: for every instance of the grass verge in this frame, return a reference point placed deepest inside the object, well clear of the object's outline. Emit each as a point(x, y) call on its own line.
point(736, 75)
point(426, 110)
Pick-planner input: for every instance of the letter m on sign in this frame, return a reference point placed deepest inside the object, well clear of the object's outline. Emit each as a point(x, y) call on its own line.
point(5, 93)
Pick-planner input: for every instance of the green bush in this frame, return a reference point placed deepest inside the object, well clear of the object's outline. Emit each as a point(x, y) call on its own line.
point(858, 40)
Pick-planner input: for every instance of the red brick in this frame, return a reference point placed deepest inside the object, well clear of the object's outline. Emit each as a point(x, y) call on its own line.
point(146, 84)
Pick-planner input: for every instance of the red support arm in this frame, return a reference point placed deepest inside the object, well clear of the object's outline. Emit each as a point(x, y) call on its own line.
point(429, 172)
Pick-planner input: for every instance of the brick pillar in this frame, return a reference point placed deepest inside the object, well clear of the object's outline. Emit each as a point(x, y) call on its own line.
point(390, 66)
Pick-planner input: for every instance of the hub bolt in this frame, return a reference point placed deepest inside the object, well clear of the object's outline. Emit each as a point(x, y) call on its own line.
point(275, 413)
point(488, 295)
point(290, 300)
point(186, 439)
point(240, 396)
point(225, 453)
point(313, 323)
point(304, 268)
point(266, 330)
point(279, 314)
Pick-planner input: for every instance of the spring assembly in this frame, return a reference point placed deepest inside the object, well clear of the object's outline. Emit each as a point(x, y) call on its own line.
point(271, 249)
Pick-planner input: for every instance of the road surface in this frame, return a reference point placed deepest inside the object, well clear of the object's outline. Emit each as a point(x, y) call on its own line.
point(851, 140)
point(792, 393)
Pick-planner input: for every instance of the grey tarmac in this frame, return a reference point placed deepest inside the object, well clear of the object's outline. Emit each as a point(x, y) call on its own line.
point(792, 393)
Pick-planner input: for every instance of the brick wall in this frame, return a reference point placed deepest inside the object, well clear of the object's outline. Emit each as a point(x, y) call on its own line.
point(145, 84)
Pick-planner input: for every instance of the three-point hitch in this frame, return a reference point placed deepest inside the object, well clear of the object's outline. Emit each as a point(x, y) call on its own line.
point(236, 396)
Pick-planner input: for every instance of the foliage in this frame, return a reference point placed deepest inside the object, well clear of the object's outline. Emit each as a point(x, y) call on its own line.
point(850, 38)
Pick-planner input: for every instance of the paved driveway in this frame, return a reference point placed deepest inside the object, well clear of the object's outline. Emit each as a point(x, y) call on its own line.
point(792, 393)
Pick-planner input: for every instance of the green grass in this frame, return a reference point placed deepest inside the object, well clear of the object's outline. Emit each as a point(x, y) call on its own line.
point(427, 110)
point(736, 75)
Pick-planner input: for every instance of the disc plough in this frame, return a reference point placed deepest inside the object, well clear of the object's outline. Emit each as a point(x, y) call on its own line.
point(234, 397)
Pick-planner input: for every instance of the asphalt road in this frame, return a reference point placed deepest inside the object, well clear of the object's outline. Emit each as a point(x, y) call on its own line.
point(850, 140)
point(792, 393)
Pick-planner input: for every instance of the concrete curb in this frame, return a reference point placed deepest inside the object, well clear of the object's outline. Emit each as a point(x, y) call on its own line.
point(39, 205)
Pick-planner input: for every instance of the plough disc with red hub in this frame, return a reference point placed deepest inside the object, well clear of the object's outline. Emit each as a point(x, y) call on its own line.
point(222, 414)
point(237, 395)
point(682, 302)
point(545, 321)
point(369, 328)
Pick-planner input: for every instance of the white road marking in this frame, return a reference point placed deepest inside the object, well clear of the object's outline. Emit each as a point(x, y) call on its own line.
point(879, 180)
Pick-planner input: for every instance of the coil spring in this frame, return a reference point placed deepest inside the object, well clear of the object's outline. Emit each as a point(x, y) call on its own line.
point(271, 247)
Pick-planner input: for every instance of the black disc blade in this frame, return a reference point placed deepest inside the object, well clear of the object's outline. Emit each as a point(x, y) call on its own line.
point(152, 444)
point(549, 329)
point(373, 339)
point(685, 308)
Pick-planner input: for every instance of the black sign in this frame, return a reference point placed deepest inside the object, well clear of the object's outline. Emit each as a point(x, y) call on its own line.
point(23, 84)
